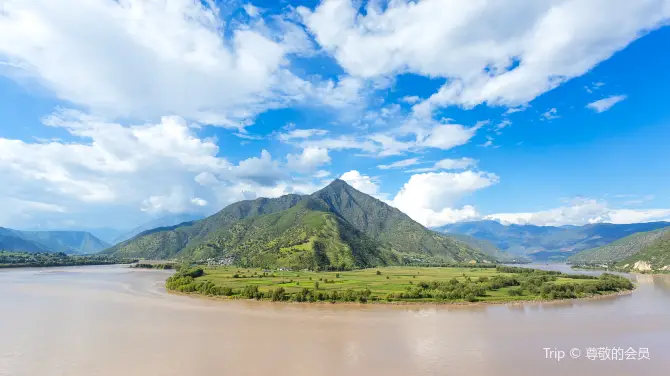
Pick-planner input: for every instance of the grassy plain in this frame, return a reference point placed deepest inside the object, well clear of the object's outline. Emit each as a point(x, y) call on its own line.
point(397, 283)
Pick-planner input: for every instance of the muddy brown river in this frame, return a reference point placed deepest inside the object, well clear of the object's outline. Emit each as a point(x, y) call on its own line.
point(111, 320)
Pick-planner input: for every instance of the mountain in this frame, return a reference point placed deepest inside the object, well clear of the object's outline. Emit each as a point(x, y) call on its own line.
point(106, 234)
point(165, 221)
point(166, 242)
point(488, 248)
point(69, 242)
point(620, 249)
point(653, 256)
point(548, 242)
point(337, 226)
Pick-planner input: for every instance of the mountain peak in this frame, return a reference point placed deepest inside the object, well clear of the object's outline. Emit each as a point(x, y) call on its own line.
point(339, 183)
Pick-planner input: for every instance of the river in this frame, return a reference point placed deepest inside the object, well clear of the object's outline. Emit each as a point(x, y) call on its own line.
point(113, 320)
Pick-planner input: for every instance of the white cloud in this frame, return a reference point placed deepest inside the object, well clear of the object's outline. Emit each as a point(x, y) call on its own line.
point(509, 52)
point(321, 174)
point(264, 170)
point(595, 86)
point(411, 99)
point(605, 103)
point(251, 10)
point(551, 114)
point(448, 136)
point(448, 164)
point(343, 142)
point(430, 198)
point(177, 201)
point(583, 211)
point(520, 108)
point(27, 212)
point(124, 170)
point(363, 183)
point(488, 143)
point(197, 201)
point(400, 164)
point(145, 59)
point(413, 135)
point(302, 134)
point(309, 160)
point(455, 164)
point(502, 125)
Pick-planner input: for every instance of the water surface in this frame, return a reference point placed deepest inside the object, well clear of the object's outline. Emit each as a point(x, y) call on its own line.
point(112, 320)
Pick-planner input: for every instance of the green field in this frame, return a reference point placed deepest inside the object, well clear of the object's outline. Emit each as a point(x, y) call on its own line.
point(392, 284)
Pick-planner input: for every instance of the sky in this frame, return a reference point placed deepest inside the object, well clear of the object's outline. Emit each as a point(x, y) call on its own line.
point(546, 112)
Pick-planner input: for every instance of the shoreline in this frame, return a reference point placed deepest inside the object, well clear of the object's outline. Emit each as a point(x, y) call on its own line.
point(14, 266)
point(609, 295)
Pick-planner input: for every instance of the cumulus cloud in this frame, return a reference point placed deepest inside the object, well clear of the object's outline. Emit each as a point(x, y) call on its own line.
point(363, 183)
point(177, 201)
point(583, 211)
point(605, 104)
point(509, 52)
point(309, 160)
point(157, 58)
point(430, 198)
point(120, 170)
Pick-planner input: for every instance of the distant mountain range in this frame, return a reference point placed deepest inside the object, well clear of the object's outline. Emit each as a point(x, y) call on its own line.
point(69, 242)
point(165, 221)
point(544, 243)
point(337, 226)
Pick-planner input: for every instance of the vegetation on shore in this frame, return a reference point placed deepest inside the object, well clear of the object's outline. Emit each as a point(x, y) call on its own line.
point(655, 257)
point(644, 252)
point(158, 266)
point(619, 250)
point(395, 284)
point(25, 259)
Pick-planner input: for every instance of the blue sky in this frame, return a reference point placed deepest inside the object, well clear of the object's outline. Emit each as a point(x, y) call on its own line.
point(547, 112)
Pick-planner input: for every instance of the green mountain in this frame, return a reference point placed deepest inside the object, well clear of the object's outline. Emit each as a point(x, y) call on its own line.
point(618, 250)
point(167, 242)
point(337, 226)
point(548, 242)
point(654, 256)
point(69, 242)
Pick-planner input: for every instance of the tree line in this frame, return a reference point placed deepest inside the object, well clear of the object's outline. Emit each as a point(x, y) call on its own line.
point(44, 259)
point(522, 282)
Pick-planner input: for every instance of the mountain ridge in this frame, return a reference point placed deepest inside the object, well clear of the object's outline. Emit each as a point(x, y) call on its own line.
point(165, 221)
point(548, 242)
point(654, 256)
point(69, 242)
point(333, 227)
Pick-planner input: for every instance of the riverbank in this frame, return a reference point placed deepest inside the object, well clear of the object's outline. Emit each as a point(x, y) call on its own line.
point(454, 304)
point(618, 270)
point(398, 285)
point(41, 260)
